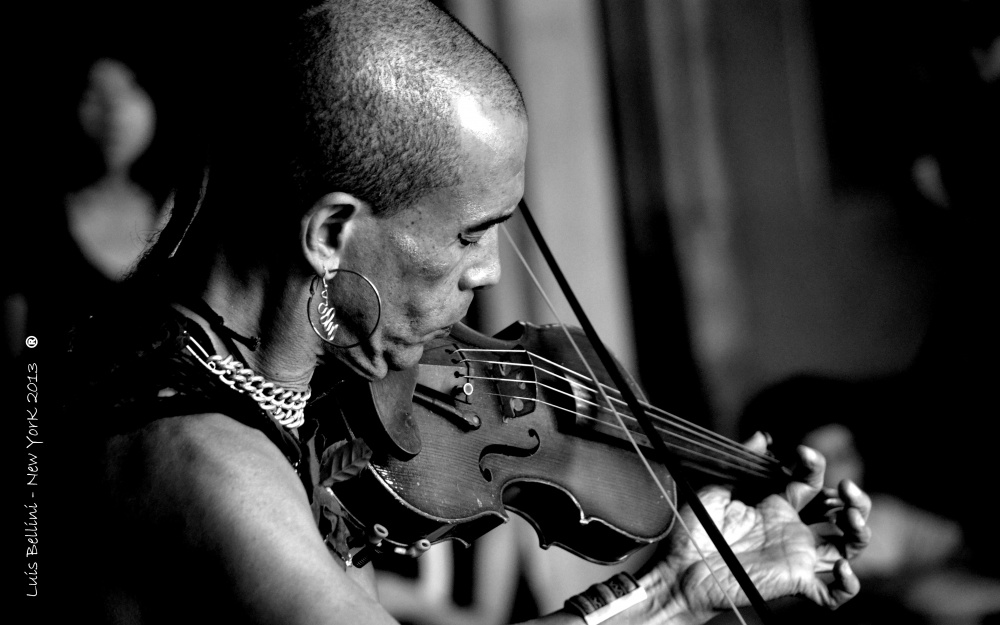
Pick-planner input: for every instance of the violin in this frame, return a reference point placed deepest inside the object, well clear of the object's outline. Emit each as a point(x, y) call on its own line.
point(487, 425)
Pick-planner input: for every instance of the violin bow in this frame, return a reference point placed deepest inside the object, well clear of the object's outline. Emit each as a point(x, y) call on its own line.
point(662, 454)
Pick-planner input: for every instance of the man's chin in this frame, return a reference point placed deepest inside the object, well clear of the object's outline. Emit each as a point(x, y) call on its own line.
point(403, 358)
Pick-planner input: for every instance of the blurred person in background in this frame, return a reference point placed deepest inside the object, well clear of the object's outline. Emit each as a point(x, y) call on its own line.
point(112, 215)
point(97, 197)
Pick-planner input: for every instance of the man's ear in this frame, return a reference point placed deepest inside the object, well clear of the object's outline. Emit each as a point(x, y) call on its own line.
point(324, 228)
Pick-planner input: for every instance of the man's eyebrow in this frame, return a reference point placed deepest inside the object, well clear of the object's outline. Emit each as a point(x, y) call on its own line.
point(489, 223)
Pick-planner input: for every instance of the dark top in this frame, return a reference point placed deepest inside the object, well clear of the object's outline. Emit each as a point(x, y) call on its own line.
point(112, 381)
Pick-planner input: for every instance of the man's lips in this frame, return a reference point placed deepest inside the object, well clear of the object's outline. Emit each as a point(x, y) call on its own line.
point(440, 334)
point(426, 338)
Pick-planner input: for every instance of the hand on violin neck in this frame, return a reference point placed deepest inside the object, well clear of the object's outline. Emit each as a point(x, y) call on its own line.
point(782, 554)
point(837, 516)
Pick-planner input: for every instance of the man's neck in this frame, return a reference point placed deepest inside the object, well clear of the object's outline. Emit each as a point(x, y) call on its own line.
point(287, 353)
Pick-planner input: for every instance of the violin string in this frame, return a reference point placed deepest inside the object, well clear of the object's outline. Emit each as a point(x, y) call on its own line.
point(740, 452)
point(732, 462)
point(621, 422)
point(723, 444)
point(659, 414)
point(709, 438)
point(663, 416)
point(669, 418)
point(736, 460)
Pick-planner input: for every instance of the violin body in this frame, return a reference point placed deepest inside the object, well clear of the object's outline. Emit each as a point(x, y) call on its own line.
point(486, 425)
point(482, 434)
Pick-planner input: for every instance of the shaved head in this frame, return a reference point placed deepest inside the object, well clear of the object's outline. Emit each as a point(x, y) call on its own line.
point(379, 86)
point(358, 96)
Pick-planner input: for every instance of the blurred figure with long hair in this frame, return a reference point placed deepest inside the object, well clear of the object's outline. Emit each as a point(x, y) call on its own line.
point(103, 178)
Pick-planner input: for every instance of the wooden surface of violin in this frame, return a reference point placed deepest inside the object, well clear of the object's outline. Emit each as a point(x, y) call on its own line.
point(486, 425)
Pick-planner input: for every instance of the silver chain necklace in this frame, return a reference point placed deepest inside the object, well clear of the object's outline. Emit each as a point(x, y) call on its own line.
point(285, 406)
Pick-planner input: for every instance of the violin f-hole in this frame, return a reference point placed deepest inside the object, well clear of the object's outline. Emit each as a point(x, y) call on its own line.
point(507, 450)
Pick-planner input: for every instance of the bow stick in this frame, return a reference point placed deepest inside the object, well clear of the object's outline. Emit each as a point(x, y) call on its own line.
point(660, 449)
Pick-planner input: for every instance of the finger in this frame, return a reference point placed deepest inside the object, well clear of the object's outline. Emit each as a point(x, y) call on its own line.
point(853, 523)
point(759, 442)
point(854, 497)
point(810, 468)
point(856, 538)
point(844, 586)
point(809, 471)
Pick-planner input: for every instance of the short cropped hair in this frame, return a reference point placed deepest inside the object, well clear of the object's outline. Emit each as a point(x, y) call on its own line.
point(361, 101)
point(378, 80)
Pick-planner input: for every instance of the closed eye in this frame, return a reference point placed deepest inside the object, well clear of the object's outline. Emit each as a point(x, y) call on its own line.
point(473, 235)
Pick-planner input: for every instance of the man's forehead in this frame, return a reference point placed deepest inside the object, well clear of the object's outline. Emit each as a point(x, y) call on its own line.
point(490, 166)
point(479, 122)
point(476, 120)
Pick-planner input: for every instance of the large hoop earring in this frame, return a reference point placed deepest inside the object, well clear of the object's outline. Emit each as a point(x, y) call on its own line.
point(328, 326)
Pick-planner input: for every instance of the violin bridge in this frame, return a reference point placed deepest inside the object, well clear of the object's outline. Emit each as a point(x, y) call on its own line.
point(516, 387)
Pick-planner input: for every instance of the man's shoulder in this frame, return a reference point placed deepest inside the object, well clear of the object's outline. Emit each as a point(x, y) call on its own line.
point(197, 439)
point(214, 510)
point(198, 461)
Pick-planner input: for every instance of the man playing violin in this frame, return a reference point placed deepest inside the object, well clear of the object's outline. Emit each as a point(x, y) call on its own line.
point(349, 216)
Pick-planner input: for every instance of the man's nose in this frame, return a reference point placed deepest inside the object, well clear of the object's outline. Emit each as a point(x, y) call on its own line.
point(484, 271)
